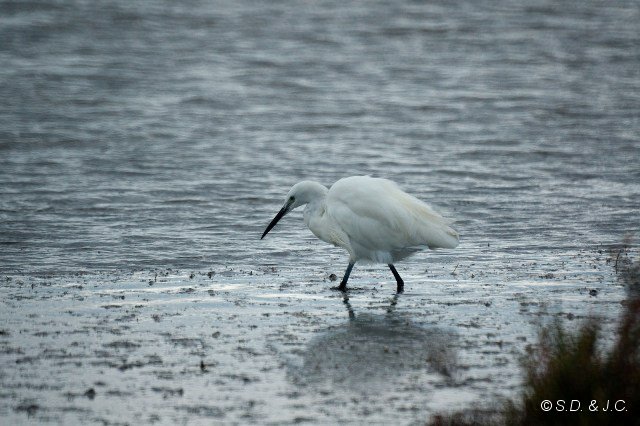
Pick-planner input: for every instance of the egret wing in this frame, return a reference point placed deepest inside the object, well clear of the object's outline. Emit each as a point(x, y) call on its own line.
point(378, 215)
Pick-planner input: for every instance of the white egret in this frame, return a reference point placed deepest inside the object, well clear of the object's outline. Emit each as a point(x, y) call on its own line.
point(371, 218)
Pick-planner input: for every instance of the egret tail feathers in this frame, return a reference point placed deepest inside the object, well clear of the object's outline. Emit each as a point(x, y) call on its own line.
point(432, 228)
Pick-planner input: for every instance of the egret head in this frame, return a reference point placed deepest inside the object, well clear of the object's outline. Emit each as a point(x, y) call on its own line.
point(300, 194)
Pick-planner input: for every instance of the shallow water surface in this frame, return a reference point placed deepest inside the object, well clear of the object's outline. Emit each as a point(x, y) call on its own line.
point(144, 146)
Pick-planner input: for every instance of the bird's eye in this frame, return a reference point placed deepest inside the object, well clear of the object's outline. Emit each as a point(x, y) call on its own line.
point(292, 199)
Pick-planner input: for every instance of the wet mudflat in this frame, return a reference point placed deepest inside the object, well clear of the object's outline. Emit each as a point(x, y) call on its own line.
point(271, 346)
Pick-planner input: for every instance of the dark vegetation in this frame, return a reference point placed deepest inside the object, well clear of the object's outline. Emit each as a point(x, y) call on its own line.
point(581, 366)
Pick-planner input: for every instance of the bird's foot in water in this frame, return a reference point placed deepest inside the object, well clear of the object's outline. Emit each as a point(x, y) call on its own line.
point(342, 287)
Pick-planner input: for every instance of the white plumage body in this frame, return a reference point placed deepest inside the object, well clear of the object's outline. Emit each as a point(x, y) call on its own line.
point(374, 220)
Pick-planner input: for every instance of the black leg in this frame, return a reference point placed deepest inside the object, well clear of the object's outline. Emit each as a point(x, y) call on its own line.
point(400, 288)
point(343, 283)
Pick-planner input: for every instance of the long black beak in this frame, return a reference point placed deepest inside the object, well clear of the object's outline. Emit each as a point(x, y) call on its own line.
point(283, 211)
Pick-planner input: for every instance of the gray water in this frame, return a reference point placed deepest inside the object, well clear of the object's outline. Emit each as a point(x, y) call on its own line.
point(148, 134)
point(138, 137)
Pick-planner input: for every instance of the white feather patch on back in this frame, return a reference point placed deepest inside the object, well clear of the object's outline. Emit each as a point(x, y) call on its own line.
point(378, 214)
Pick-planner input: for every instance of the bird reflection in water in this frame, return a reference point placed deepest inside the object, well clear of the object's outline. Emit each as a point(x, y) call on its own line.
point(377, 348)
